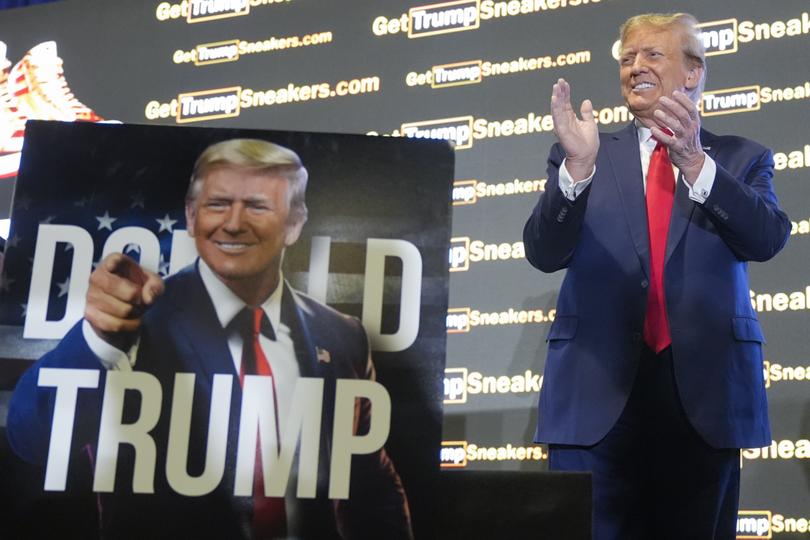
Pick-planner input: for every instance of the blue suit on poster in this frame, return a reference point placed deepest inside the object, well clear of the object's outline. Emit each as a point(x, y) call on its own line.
point(181, 333)
point(602, 240)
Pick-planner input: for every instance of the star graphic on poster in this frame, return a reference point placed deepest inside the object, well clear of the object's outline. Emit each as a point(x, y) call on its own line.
point(81, 202)
point(47, 220)
point(5, 282)
point(132, 247)
point(105, 221)
point(63, 287)
point(163, 266)
point(13, 242)
point(137, 201)
point(166, 224)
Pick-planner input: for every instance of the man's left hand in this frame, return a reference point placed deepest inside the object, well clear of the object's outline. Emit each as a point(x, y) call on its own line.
point(679, 114)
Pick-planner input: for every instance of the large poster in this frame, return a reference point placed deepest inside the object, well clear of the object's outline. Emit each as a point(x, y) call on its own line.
point(175, 436)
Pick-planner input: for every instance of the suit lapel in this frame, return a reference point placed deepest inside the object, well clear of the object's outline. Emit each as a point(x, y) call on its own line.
point(683, 207)
point(294, 315)
point(198, 323)
point(625, 159)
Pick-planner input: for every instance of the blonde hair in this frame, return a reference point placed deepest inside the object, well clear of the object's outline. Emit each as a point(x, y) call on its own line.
point(255, 155)
point(691, 42)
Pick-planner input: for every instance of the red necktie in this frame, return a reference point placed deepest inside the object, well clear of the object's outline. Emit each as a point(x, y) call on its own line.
point(660, 194)
point(269, 515)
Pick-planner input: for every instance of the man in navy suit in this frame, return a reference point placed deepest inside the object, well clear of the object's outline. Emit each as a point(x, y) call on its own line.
point(653, 380)
point(231, 313)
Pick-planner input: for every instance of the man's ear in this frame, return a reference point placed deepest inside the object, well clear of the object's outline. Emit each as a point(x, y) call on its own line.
point(191, 216)
point(292, 230)
point(693, 77)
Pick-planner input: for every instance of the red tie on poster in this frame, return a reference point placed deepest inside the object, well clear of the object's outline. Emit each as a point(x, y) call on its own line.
point(660, 194)
point(269, 515)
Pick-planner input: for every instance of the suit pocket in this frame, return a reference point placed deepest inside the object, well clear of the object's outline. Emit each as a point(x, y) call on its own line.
point(563, 327)
point(747, 329)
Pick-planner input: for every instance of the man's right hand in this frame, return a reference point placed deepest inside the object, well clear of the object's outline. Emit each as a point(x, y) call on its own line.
point(579, 138)
point(119, 294)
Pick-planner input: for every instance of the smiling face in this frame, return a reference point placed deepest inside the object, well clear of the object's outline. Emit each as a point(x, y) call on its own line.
point(241, 223)
point(652, 64)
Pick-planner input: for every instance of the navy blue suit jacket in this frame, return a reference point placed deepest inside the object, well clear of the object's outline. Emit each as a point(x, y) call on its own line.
point(181, 333)
point(602, 240)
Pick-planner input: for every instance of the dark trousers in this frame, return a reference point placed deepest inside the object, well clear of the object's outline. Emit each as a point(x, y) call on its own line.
point(654, 478)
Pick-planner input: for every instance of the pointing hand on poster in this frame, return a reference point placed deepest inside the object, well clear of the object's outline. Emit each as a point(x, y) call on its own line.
point(579, 138)
point(119, 293)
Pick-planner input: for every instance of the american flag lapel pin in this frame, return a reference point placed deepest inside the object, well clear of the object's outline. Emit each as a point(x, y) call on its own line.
point(323, 355)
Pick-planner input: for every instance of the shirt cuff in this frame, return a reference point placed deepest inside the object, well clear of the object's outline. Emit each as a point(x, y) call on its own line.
point(702, 187)
point(572, 189)
point(110, 357)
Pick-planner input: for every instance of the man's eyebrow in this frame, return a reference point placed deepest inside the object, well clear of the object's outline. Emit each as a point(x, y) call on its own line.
point(645, 48)
point(252, 198)
point(257, 198)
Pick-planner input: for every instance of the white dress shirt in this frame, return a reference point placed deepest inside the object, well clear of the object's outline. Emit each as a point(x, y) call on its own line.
point(698, 192)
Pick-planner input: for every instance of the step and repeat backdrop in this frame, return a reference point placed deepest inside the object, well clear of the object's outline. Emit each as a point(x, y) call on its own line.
point(478, 73)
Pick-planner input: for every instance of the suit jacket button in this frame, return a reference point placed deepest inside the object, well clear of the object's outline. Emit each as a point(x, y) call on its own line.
point(644, 283)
